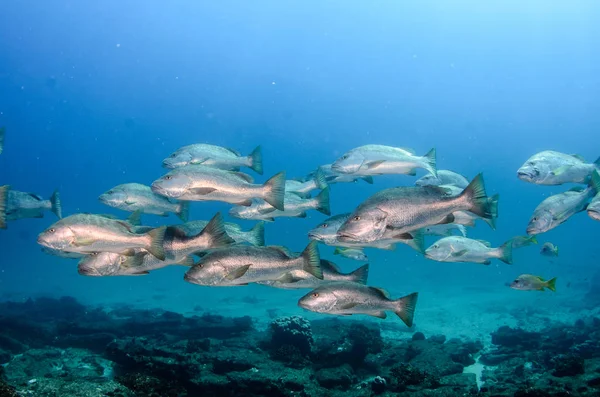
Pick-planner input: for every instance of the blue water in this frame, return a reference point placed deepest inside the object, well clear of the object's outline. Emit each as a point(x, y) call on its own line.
point(97, 94)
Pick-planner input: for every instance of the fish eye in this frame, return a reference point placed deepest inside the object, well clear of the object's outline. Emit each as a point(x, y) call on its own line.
point(516, 281)
point(535, 218)
point(314, 295)
point(94, 254)
point(51, 230)
point(173, 155)
point(168, 177)
point(324, 225)
point(356, 218)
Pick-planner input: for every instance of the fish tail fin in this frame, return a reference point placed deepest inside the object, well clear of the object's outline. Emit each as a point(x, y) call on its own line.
point(3, 205)
point(551, 284)
point(360, 275)
point(431, 162)
point(533, 239)
point(556, 250)
point(256, 160)
point(183, 212)
point(505, 252)
point(595, 181)
point(312, 260)
point(257, 234)
point(214, 231)
point(322, 201)
point(418, 241)
point(320, 179)
point(338, 251)
point(477, 198)
point(55, 204)
point(275, 191)
point(405, 308)
point(157, 239)
point(368, 179)
point(462, 230)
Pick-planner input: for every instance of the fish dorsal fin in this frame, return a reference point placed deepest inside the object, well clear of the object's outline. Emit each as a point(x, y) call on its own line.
point(283, 250)
point(135, 218)
point(176, 232)
point(244, 177)
point(233, 151)
point(380, 291)
point(408, 150)
point(36, 196)
point(486, 243)
point(332, 267)
point(237, 273)
point(578, 157)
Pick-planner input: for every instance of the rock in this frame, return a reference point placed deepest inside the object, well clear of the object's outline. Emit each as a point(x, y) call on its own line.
point(439, 339)
point(403, 376)
point(418, 336)
point(516, 338)
point(378, 385)
point(336, 378)
point(292, 331)
point(568, 365)
point(463, 382)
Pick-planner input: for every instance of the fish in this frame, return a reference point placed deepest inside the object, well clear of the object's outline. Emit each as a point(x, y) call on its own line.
point(295, 206)
point(135, 196)
point(88, 233)
point(444, 177)
point(523, 241)
point(241, 265)
point(100, 264)
point(303, 188)
point(468, 219)
point(214, 156)
point(62, 254)
point(557, 209)
point(380, 160)
point(332, 177)
point(2, 135)
point(549, 249)
point(254, 236)
point(353, 298)
point(405, 209)
point(327, 233)
point(445, 230)
point(351, 253)
point(593, 209)
point(528, 282)
point(331, 274)
point(20, 205)
point(203, 183)
point(555, 168)
point(462, 249)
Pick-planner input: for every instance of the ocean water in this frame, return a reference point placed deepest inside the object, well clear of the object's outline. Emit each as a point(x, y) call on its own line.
point(93, 95)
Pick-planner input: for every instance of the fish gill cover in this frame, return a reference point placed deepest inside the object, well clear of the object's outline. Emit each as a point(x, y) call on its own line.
point(275, 198)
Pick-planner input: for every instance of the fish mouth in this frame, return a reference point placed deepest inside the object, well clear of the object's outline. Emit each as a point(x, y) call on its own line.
point(314, 236)
point(531, 231)
point(524, 175)
point(158, 189)
point(348, 237)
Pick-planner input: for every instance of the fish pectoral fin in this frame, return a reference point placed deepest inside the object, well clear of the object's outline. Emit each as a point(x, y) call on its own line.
point(348, 305)
point(266, 210)
point(288, 278)
point(198, 161)
point(374, 164)
point(237, 273)
point(268, 219)
point(412, 172)
point(202, 190)
point(380, 314)
point(459, 253)
point(129, 202)
point(84, 242)
point(448, 219)
point(560, 170)
point(487, 262)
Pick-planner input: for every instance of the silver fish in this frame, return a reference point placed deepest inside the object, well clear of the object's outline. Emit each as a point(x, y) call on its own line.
point(351, 253)
point(202, 183)
point(332, 177)
point(254, 236)
point(327, 233)
point(19, 205)
point(444, 177)
point(405, 209)
point(549, 249)
point(137, 197)
point(462, 249)
point(295, 206)
point(331, 274)
point(214, 156)
point(555, 168)
point(354, 298)
point(240, 265)
point(87, 233)
point(101, 264)
point(380, 160)
point(304, 188)
point(557, 209)
point(593, 209)
point(445, 230)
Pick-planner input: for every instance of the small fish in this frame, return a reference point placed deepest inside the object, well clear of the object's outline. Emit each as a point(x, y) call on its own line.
point(462, 249)
point(88, 233)
point(100, 264)
point(354, 298)
point(593, 209)
point(405, 209)
point(254, 236)
point(303, 188)
point(203, 183)
point(445, 230)
point(332, 177)
point(295, 206)
point(351, 253)
point(327, 233)
point(528, 282)
point(555, 168)
point(549, 249)
point(2, 135)
point(135, 196)
point(380, 160)
point(557, 209)
point(214, 156)
point(331, 274)
point(444, 177)
point(20, 205)
point(241, 265)
point(523, 241)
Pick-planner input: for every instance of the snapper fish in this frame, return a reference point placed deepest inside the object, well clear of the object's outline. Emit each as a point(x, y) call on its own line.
point(549, 249)
point(137, 197)
point(406, 209)
point(353, 298)
point(303, 188)
point(529, 282)
point(351, 253)
point(102, 264)
point(254, 236)
point(555, 168)
point(462, 249)
point(331, 274)
point(203, 183)
point(380, 160)
point(332, 177)
point(214, 156)
point(88, 233)
point(16, 205)
point(444, 177)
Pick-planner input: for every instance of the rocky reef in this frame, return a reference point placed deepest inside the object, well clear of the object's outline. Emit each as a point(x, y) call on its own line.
point(58, 347)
